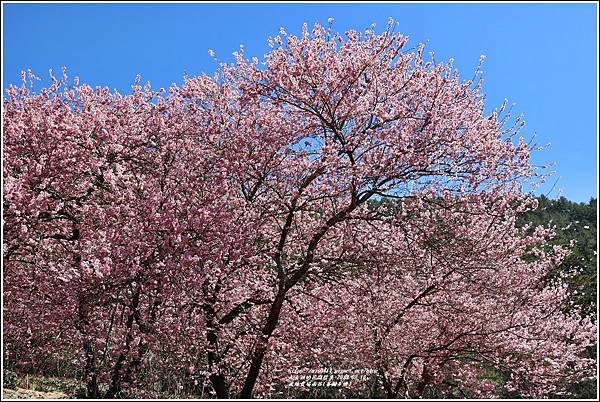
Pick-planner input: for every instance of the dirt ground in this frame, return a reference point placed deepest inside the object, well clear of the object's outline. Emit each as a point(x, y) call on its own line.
point(22, 393)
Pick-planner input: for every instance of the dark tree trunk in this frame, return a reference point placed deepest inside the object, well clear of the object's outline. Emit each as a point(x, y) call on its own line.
point(423, 383)
point(287, 283)
point(90, 371)
point(90, 375)
point(261, 347)
point(217, 380)
point(115, 386)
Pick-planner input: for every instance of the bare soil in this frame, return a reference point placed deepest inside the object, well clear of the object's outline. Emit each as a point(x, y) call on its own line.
point(22, 393)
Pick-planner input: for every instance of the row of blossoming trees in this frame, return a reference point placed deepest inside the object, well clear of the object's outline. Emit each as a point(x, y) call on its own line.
point(225, 232)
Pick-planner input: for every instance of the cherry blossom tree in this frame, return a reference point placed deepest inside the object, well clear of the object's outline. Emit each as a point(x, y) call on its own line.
point(460, 304)
point(99, 218)
point(344, 203)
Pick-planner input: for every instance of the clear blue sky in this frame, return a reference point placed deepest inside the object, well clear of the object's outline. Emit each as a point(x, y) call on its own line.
point(541, 56)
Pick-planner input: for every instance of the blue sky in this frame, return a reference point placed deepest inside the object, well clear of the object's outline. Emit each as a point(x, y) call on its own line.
point(541, 56)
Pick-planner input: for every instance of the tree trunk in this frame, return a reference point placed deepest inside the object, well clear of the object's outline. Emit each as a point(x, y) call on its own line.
point(88, 347)
point(90, 370)
point(115, 386)
point(261, 347)
point(217, 380)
